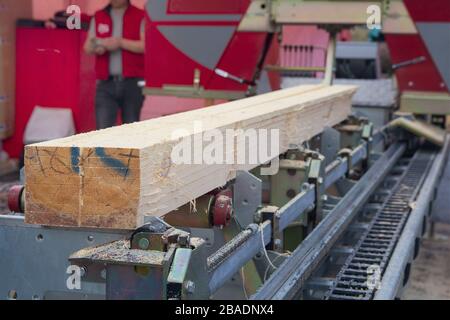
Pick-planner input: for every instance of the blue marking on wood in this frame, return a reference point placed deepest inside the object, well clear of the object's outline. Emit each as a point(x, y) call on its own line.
point(75, 159)
point(111, 162)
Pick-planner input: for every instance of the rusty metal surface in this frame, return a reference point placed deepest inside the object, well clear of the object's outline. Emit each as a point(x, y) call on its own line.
point(118, 252)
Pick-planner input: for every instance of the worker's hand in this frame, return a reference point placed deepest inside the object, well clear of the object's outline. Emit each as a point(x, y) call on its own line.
point(50, 24)
point(112, 43)
point(99, 50)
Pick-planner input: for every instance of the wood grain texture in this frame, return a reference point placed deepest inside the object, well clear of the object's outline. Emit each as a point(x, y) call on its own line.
point(113, 178)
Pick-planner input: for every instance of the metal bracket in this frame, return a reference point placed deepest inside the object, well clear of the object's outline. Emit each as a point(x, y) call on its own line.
point(367, 133)
point(315, 173)
point(347, 153)
point(247, 197)
point(269, 213)
point(177, 275)
point(157, 235)
point(329, 144)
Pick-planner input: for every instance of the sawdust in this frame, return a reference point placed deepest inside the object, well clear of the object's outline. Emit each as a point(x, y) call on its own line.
point(119, 252)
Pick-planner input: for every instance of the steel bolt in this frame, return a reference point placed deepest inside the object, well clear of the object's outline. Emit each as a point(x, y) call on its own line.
point(291, 193)
point(189, 286)
point(277, 243)
point(183, 240)
point(257, 217)
point(143, 243)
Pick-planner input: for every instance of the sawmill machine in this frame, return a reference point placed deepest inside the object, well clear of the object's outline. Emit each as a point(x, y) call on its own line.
point(342, 219)
point(423, 69)
point(229, 49)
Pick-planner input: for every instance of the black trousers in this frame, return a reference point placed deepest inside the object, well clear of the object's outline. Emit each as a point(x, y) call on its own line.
point(117, 94)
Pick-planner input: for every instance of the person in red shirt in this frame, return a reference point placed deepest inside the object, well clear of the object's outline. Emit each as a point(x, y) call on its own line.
point(116, 37)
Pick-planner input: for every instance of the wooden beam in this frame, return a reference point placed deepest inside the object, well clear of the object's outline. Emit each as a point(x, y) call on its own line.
point(113, 178)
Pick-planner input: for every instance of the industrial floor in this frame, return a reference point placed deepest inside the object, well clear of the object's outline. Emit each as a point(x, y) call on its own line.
point(430, 274)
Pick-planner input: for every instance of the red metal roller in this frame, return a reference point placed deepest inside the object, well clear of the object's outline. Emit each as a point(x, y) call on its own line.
point(223, 209)
point(15, 198)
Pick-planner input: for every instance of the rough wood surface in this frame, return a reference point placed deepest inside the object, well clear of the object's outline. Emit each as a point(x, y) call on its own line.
point(113, 178)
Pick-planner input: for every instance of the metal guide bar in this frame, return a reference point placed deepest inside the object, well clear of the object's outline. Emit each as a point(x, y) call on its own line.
point(374, 249)
point(228, 260)
point(396, 272)
point(222, 264)
point(291, 275)
point(337, 169)
point(298, 206)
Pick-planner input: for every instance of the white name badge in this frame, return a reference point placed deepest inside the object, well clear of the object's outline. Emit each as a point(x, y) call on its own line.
point(103, 28)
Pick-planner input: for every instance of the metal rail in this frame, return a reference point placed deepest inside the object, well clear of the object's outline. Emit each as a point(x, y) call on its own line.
point(291, 275)
point(373, 250)
point(338, 168)
point(305, 201)
point(228, 260)
point(396, 271)
point(296, 208)
point(231, 257)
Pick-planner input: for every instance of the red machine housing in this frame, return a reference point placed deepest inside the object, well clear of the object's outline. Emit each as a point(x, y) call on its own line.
point(172, 61)
point(52, 71)
point(424, 76)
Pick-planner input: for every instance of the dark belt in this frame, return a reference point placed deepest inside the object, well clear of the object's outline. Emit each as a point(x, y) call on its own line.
point(116, 78)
